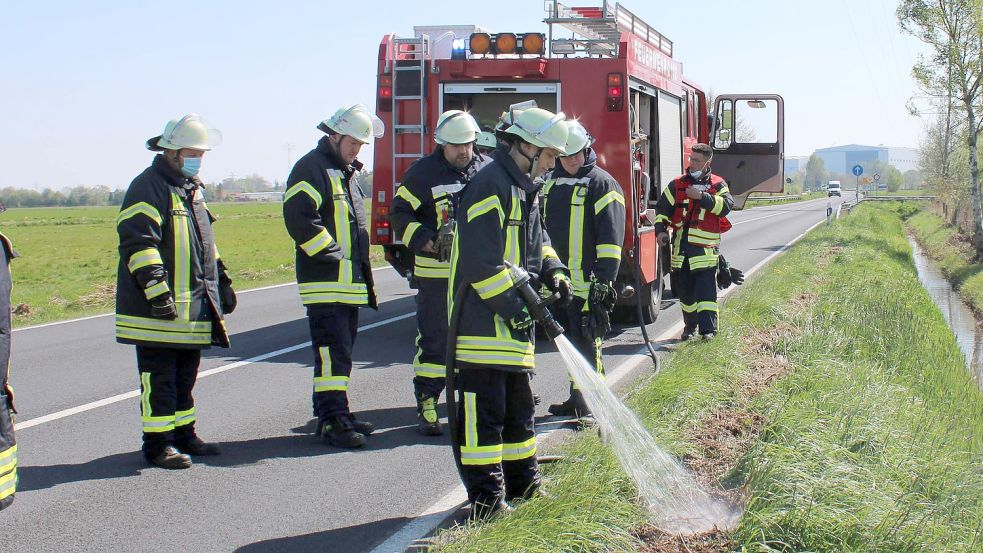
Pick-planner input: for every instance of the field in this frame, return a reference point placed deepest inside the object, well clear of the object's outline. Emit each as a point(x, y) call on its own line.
point(68, 257)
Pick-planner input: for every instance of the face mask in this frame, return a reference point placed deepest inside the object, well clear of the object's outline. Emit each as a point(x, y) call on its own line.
point(696, 175)
point(190, 166)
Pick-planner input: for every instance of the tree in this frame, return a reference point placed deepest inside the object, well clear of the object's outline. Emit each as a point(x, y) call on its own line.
point(816, 175)
point(953, 31)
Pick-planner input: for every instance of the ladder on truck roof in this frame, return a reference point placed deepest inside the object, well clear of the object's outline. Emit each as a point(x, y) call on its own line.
point(409, 61)
point(597, 30)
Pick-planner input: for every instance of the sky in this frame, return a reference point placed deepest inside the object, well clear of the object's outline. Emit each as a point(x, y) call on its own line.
point(84, 84)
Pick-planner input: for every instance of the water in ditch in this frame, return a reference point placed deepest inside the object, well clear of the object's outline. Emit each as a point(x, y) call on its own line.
point(676, 501)
point(960, 317)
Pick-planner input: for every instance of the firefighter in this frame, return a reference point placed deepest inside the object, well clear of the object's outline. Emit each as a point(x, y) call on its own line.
point(423, 214)
point(172, 289)
point(8, 445)
point(486, 143)
point(584, 213)
point(324, 212)
point(499, 223)
point(694, 207)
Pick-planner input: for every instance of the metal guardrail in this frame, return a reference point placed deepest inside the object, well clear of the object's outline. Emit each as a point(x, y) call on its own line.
point(895, 198)
point(772, 198)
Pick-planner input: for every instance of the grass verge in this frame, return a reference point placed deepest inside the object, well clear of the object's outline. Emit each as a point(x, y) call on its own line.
point(953, 253)
point(756, 201)
point(835, 404)
point(69, 256)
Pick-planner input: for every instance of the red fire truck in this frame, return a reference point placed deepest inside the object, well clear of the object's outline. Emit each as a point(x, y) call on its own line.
point(601, 65)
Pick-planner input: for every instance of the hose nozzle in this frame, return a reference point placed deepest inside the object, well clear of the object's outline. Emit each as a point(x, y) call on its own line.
point(537, 305)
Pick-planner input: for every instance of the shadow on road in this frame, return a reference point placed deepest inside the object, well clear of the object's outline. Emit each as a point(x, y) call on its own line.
point(350, 539)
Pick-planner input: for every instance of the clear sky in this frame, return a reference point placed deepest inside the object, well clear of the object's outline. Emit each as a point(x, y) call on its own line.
point(85, 83)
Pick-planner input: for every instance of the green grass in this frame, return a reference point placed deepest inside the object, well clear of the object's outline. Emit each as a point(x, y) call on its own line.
point(69, 256)
point(873, 439)
point(953, 253)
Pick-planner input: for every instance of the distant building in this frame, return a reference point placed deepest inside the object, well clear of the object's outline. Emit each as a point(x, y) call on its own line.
point(841, 159)
point(795, 164)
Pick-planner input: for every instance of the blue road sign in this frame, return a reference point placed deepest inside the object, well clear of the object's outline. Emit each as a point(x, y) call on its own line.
point(858, 170)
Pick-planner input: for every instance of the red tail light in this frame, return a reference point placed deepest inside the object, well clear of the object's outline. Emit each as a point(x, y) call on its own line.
point(385, 102)
point(616, 91)
point(382, 223)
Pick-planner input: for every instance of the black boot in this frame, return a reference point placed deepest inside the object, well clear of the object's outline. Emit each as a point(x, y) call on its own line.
point(426, 414)
point(197, 447)
point(170, 458)
point(362, 427)
point(340, 432)
point(482, 510)
point(688, 333)
point(574, 406)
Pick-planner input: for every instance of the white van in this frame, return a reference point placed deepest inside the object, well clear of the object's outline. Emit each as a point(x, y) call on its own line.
point(833, 188)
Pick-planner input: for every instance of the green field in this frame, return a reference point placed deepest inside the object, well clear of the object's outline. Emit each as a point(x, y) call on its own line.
point(68, 257)
point(834, 406)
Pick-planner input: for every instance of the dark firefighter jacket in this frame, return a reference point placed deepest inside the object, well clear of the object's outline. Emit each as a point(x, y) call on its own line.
point(696, 224)
point(8, 443)
point(324, 212)
point(425, 200)
point(499, 221)
point(584, 215)
point(166, 246)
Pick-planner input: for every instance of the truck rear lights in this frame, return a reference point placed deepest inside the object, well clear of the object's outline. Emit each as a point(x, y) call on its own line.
point(616, 91)
point(504, 43)
point(385, 100)
point(480, 43)
point(533, 43)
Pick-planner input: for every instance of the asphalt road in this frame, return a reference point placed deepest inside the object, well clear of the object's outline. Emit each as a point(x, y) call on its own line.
point(84, 485)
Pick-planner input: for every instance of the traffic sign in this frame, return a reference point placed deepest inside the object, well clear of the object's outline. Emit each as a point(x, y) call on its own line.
point(877, 176)
point(858, 170)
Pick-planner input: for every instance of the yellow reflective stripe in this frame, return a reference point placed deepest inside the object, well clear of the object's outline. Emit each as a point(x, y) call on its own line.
point(153, 425)
point(355, 293)
point(341, 225)
point(8, 459)
point(164, 331)
point(707, 306)
point(8, 484)
point(703, 233)
point(519, 450)
point(426, 267)
point(484, 206)
point(482, 455)
point(156, 290)
point(163, 324)
point(144, 258)
point(320, 241)
point(470, 420)
point(549, 252)
point(660, 218)
point(612, 196)
point(718, 205)
point(184, 418)
point(403, 192)
point(145, 394)
point(688, 307)
point(411, 229)
point(493, 285)
point(141, 208)
point(670, 193)
point(512, 238)
point(575, 254)
point(180, 223)
point(608, 251)
point(305, 187)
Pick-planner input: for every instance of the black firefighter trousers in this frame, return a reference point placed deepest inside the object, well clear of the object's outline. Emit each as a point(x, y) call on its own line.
point(697, 293)
point(496, 434)
point(571, 318)
point(8, 445)
point(167, 409)
point(333, 330)
point(429, 367)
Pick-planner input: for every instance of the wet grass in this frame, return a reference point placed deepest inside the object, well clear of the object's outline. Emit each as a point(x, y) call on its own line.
point(864, 429)
point(69, 256)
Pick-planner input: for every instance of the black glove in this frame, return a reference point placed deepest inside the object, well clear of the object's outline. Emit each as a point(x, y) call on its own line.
point(521, 320)
point(603, 294)
point(600, 302)
point(444, 242)
point(162, 307)
point(558, 282)
point(736, 275)
point(228, 298)
point(723, 278)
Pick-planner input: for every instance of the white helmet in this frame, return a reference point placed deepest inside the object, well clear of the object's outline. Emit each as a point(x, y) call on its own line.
point(355, 121)
point(190, 131)
point(542, 128)
point(456, 127)
point(578, 139)
point(486, 140)
point(508, 116)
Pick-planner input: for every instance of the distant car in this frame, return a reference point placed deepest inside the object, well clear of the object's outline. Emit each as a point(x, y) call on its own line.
point(834, 191)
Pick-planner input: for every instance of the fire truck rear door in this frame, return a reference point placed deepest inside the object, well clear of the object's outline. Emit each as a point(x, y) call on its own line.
point(747, 141)
point(487, 100)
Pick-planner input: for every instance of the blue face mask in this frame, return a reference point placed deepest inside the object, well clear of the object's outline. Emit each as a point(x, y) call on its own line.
point(191, 166)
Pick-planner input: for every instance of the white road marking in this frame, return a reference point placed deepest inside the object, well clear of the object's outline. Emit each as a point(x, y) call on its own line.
point(228, 367)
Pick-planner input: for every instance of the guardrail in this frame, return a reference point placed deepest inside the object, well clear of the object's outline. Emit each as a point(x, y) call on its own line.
point(772, 198)
point(895, 198)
